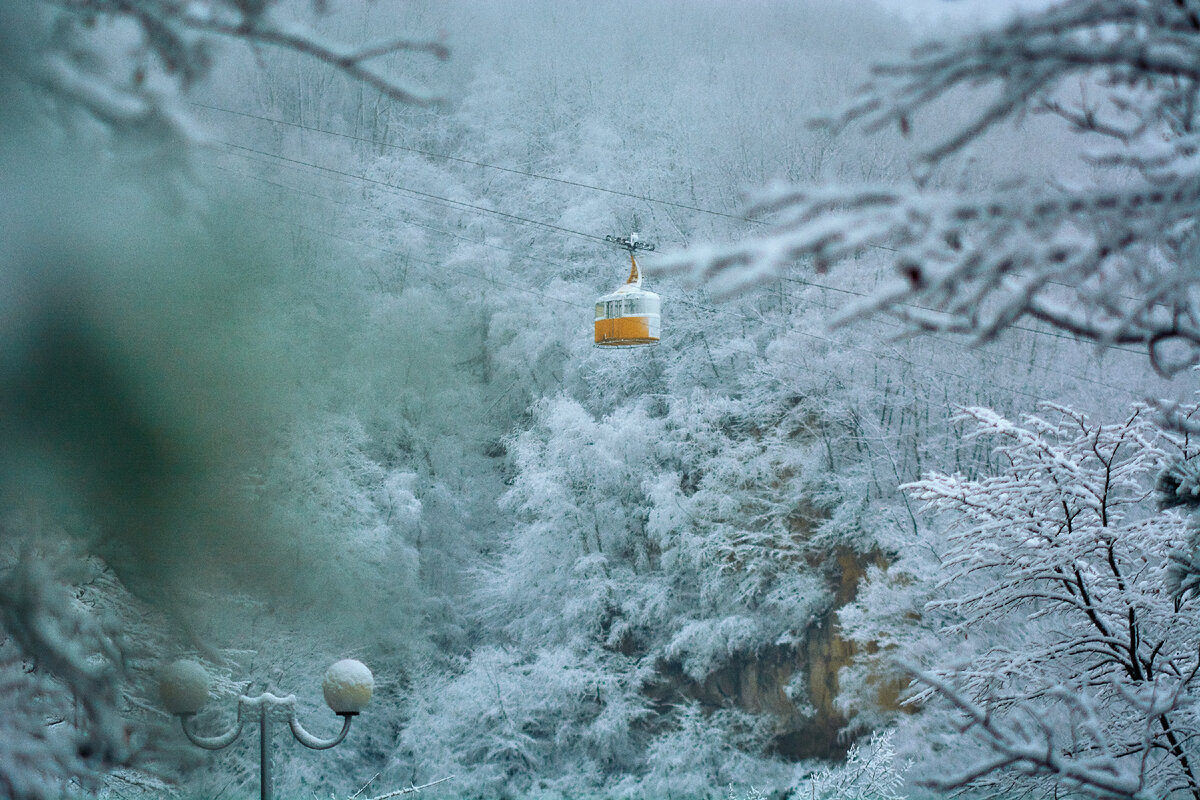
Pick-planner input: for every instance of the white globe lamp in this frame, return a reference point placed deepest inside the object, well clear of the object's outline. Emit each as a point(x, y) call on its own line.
point(347, 686)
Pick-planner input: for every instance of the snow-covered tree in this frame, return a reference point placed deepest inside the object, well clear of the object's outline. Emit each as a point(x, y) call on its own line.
point(1102, 249)
point(1035, 612)
point(1107, 256)
point(870, 772)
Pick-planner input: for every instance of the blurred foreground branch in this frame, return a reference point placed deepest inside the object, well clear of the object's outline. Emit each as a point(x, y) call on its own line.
point(1111, 263)
point(126, 61)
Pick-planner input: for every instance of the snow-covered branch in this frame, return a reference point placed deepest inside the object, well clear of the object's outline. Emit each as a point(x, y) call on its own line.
point(1059, 649)
point(1027, 744)
point(1110, 263)
point(413, 788)
point(352, 60)
point(61, 676)
point(126, 61)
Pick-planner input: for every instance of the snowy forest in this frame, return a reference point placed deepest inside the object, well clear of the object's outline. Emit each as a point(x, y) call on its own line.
point(297, 367)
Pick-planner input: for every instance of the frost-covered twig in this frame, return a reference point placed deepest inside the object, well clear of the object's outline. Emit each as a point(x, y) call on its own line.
point(1031, 749)
point(413, 789)
point(353, 61)
point(870, 771)
point(363, 788)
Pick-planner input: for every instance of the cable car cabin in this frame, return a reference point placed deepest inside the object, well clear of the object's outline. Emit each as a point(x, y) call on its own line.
point(629, 317)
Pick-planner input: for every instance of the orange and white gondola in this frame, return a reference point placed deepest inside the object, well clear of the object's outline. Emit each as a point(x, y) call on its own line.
point(630, 316)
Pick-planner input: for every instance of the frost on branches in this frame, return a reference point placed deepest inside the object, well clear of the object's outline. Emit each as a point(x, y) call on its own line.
point(128, 63)
point(73, 656)
point(870, 772)
point(1048, 648)
point(1111, 261)
point(54, 655)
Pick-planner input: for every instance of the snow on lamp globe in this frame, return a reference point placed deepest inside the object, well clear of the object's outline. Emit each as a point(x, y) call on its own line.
point(184, 688)
point(347, 686)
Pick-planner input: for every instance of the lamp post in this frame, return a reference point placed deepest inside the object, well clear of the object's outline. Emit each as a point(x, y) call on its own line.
point(184, 688)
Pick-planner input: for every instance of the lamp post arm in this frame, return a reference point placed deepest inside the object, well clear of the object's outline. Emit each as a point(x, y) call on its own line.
point(212, 742)
point(185, 685)
point(308, 740)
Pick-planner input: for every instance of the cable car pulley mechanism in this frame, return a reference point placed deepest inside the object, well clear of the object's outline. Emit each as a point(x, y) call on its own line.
point(629, 316)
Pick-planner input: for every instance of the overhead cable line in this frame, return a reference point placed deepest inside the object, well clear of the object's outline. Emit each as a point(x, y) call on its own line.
point(760, 356)
point(578, 184)
point(470, 273)
point(431, 154)
point(446, 200)
point(406, 220)
point(480, 209)
point(708, 308)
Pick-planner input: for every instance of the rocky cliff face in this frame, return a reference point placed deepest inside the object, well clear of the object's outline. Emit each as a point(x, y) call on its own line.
point(796, 685)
